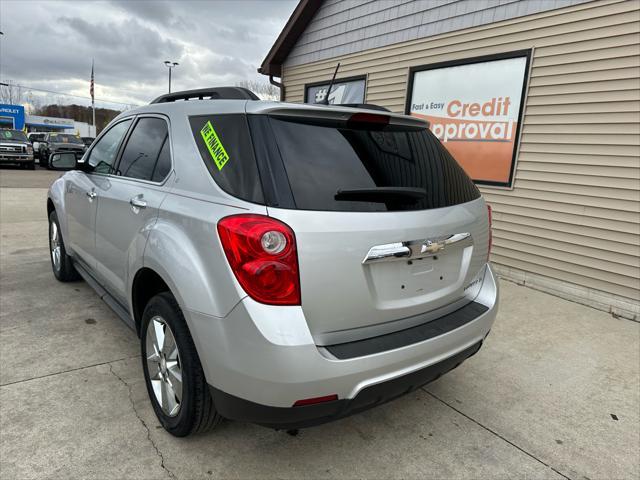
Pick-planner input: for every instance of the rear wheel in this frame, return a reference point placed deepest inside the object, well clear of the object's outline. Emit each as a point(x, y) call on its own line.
point(175, 381)
point(60, 262)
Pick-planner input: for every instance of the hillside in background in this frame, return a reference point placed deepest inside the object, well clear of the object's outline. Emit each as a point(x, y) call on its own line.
point(79, 113)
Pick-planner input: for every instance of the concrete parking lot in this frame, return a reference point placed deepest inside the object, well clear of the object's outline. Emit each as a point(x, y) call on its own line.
point(554, 393)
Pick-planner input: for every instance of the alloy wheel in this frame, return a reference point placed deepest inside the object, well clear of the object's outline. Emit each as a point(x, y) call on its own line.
point(163, 365)
point(56, 248)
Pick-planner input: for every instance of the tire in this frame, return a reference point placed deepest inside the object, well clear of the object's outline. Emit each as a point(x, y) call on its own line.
point(62, 266)
point(195, 412)
point(31, 165)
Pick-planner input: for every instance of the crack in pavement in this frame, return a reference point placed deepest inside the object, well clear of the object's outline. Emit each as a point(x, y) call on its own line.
point(495, 433)
point(68, 371)
point(144, 424)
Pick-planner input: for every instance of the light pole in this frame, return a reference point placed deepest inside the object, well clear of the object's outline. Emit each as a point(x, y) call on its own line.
point(1, 35)
point(171, 66)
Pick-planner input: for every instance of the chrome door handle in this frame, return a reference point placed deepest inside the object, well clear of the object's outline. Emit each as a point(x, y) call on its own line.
point(91, 195)
point(137, 203)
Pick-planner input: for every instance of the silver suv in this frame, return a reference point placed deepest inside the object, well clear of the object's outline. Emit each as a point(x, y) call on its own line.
point(282, 264)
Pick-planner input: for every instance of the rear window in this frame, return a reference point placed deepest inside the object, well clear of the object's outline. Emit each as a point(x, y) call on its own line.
point(225, 147)
point(321, 160)
point(307, 165)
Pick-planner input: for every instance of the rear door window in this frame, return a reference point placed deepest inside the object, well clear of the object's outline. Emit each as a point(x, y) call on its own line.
point(142, 151)
point(225, 146)
point(163, 166)
point(322, 159)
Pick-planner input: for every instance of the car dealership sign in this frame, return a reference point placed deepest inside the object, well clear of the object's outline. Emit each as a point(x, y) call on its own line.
point(474, 107)
point(55, 122)
point(11, 116)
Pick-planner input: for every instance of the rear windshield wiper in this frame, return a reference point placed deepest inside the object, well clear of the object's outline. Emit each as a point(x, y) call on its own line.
point(381, 194)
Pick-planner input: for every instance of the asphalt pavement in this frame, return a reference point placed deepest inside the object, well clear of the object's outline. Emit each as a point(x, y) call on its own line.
point(554, 392)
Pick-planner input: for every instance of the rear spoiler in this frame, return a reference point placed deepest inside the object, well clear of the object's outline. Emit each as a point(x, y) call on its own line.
point(340, 114)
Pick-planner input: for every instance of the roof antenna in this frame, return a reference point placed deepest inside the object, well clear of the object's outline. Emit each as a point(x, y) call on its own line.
point(326, 99)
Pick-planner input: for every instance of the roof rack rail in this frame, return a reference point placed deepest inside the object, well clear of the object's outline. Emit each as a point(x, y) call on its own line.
point(214, 93)
point(369, 106)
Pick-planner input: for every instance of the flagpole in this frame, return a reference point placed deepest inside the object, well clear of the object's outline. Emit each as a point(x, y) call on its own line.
point(93, 103)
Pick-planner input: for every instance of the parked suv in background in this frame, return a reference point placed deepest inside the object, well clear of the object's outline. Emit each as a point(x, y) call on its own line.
point(60, 143)
point(15, 148)
point(282, 264)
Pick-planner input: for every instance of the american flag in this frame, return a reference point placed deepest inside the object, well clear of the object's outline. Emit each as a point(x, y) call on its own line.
point(91, 87)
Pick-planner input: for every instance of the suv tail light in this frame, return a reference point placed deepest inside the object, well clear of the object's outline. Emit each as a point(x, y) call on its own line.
point(490, 214)
point(262, 254)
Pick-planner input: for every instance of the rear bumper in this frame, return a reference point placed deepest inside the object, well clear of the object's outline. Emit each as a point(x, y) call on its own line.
point(235, 408)
point(260, 360)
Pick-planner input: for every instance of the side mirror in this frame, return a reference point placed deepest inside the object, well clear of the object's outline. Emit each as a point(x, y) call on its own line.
point(63, 161)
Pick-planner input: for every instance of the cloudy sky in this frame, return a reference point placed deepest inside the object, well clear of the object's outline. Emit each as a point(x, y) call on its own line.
point(49, 44)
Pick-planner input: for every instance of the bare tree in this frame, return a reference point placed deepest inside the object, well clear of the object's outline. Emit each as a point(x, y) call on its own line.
point(12, 94)
point(264, 90)
point(32, 103)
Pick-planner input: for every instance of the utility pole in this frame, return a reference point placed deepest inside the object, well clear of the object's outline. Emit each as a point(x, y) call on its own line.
point(170, 66)
point(1, 35)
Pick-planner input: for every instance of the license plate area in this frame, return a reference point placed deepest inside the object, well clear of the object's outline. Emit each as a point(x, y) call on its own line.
point(408, 279)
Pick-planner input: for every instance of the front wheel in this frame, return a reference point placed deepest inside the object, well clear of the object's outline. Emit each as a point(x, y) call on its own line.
point(173, 374)
point(61, 263)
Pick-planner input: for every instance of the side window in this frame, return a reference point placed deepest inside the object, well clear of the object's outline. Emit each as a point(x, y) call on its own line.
point(105, 150)
point(224, 143)
point(164, 162)
point(143, 149)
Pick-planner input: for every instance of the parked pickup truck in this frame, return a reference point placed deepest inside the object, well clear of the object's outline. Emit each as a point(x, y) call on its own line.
point(16, 148)
point(60, 143)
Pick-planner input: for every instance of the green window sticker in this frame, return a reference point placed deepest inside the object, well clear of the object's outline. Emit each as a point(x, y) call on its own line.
point(214, 145)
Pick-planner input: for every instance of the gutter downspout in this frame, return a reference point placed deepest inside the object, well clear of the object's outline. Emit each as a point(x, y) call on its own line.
point(279, 85)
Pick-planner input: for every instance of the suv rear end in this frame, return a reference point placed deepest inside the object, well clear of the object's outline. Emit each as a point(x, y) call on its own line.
point(366, 277)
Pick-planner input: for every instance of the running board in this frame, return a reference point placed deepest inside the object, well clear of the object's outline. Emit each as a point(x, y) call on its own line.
point(105, 296)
